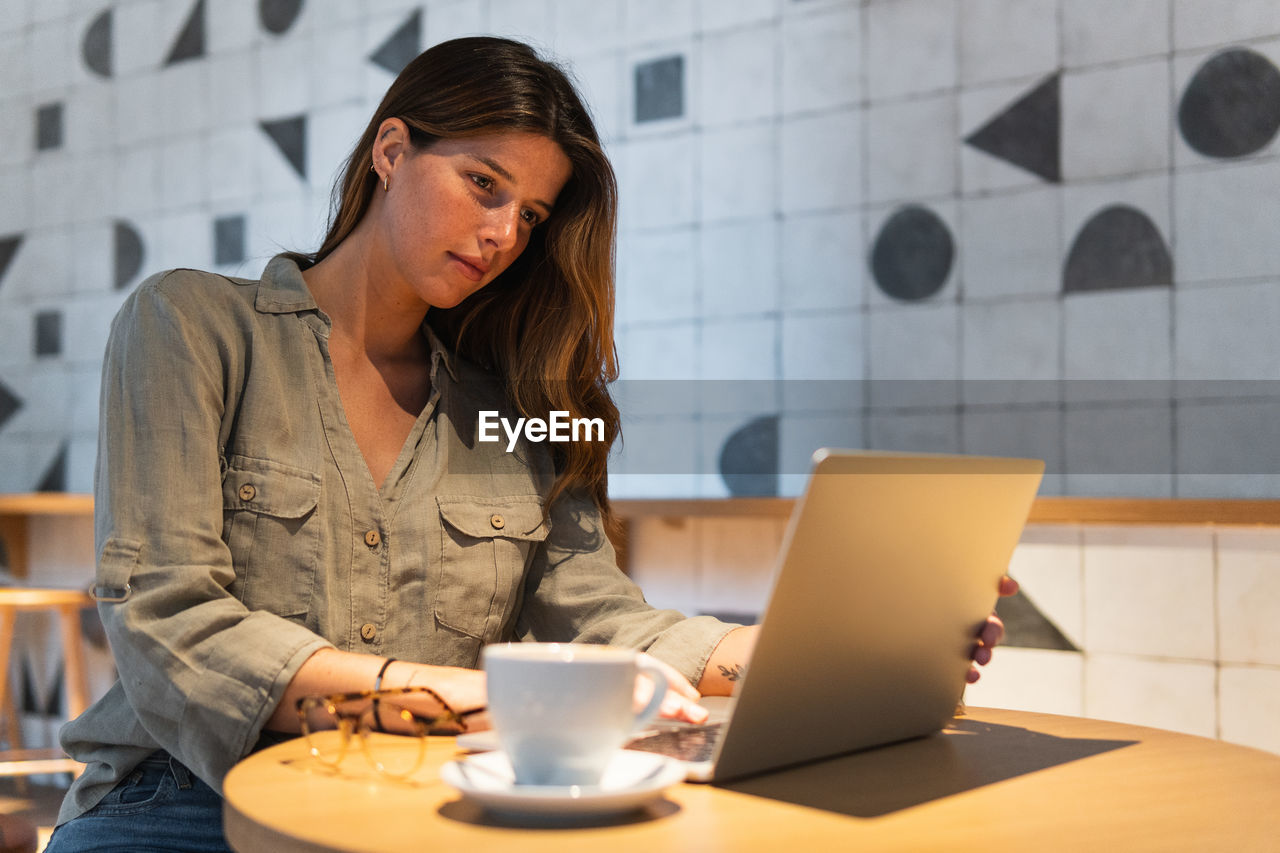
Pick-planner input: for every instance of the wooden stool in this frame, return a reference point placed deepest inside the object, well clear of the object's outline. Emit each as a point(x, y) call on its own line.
point(67, 604)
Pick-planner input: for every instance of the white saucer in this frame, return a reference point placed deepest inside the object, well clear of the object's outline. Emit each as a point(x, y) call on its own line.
point(631, 780)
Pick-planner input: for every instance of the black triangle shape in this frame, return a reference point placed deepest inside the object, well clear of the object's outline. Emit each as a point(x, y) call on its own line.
point(8, 248)
point(401, 46)
point(28, 704)
point(290, 136)
point(1026, 627)
point(53, 699)
point(1028, 133)
point(95, 48)
point(9, 405)
point(190, 43)
point(55, 476)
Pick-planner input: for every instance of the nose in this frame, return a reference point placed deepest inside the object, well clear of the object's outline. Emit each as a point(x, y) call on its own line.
point(502, 228)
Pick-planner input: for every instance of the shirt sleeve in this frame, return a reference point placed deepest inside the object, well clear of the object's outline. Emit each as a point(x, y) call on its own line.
point(575, 592)
point(201, 672)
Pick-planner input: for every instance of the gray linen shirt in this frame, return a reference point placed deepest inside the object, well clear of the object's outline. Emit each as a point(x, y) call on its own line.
point(232, 499)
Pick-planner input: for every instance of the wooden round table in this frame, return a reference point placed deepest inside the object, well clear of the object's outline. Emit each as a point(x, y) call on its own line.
point(993, 780)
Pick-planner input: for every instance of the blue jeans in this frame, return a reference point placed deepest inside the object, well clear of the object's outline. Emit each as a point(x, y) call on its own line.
point(160, 806)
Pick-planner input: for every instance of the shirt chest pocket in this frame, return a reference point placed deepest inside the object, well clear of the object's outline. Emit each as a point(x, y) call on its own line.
point(269, 524)
point(486, 545)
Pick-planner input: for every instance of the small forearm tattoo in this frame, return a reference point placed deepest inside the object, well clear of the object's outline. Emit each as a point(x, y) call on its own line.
point(732, 673)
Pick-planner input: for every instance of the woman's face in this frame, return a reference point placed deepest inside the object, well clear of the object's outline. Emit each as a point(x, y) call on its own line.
point(461, 210)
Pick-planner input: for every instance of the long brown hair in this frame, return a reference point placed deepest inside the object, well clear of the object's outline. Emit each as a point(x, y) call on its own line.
point(546, 324)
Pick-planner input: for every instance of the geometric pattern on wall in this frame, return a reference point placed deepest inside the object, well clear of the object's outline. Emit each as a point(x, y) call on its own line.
point(748, 461)
point(290, 137)
point(659, 89)
point(277, 16)
point(401, 46)
point(9, 404)
point(190, 43)
point(8, 248)
point(1028, 132)
point(1117, 249)
point(128, 253)
point(1027, 627)
point(54, 478)
point(1231, 106)
point(95, 47)
point(912, 255)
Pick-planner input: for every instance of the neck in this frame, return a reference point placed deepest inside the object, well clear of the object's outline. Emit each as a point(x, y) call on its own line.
point(370, 309)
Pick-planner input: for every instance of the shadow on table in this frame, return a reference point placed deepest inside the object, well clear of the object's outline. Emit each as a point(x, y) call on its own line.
point(968, 755)
point(465, 812)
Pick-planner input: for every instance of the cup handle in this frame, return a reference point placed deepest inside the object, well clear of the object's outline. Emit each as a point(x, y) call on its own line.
point(659, 693)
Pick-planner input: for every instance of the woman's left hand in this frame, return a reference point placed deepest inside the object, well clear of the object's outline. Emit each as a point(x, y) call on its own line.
point(681, 702)
point(991, 634)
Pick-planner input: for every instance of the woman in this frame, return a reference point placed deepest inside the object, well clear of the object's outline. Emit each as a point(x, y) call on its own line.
point(290, 493)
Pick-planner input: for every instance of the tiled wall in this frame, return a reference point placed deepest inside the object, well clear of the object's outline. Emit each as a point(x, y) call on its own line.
point(1173, 627)
point(1015, 226)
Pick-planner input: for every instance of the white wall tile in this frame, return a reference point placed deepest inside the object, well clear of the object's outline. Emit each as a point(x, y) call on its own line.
point(1118, 335)
point(737, 171)
point(92, 270)
point(452, 19)
point(1223, 218)
point(924, 432)
point(1119, 450)
point(233, 27)
point(143, 32)
point(1097, 31)
point(1010, 352)
point(1115, 120)
point(723, 14)
point(913, 343)
point(1207, 23)
point(821, 162)
point(183, 180)
point(138, 118)
point(738, 268)
point(666, 352)
point(51, 54)
point(827, 346)
point(738, 349)
point(1149, 591)
point(583, 26)
point(15, 69)
point(1161, 694)
point(179, 240)
point(1025, 432)
point(332, 133)
point(16, 334)
point(1039, 680)
point(530, 21)
point(43, 265)
point(49, 209)
point(602, 83)
point(911, 47)
point(911, 149)
point(821, 60)
point(332, 68)
point(654, 20)
point(89, 119)
point(1227, 449)
point(1249, 596)
point(800, 434)
point(1012, 245)
point(231, 166)
point(1227, 331)
point(281, 72)
point(1249, 705)
point(1048, 563)
point(17, 128)
point(739, 76)
point(658, 276)
point(658, 182)
point(1005, 39)
point(90, 189)
point(822, 261)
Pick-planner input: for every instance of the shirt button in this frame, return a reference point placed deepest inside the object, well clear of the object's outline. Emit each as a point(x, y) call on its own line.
point(368, 631)
point(497, 521)
point(372, 538)
point(248, 492)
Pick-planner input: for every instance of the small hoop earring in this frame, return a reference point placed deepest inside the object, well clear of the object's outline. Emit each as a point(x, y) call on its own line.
point(386, 187)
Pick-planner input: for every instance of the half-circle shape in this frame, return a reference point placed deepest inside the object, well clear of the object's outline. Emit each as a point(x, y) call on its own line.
point(1117, 249)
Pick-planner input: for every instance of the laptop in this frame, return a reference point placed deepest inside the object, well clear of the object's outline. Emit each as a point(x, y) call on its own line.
point(888, 568)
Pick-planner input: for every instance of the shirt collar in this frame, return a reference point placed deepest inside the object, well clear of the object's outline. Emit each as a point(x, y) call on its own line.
point(283, 291)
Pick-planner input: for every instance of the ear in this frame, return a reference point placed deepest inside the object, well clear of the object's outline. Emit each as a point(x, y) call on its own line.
point(390, 145)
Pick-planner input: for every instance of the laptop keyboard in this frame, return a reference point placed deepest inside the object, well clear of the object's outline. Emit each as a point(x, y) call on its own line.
point(685, 742)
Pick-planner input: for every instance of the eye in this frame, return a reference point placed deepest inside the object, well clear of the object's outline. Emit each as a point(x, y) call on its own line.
point(530, 217)
point(484, 182)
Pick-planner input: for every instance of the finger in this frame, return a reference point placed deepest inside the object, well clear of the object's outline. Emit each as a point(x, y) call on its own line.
point(973, 675)
point(981, 655)
point(675, 681)
point(677, 707)
point(1008, 586)
point(992, 632)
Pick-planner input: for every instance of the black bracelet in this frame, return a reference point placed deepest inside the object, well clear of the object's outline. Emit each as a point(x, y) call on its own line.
point(377, 685)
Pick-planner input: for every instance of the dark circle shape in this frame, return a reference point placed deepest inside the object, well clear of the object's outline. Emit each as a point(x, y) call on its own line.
point(749, 459)
point(912, 255)
point(1117, 249)
point(1231, 106)
point(278, 15)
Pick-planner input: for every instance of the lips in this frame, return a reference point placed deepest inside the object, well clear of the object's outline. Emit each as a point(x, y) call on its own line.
point(472, 267)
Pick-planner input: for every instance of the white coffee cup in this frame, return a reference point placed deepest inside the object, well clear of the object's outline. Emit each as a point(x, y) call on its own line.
point(561, 711)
